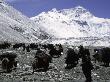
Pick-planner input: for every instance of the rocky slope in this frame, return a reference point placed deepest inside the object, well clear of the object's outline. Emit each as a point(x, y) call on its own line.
point(16, 27)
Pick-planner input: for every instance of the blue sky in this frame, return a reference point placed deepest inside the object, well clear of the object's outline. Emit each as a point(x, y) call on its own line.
point(99, 8)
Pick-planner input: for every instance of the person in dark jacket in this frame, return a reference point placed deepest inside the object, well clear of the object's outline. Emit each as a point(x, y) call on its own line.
point(86, 64)
point(86, 68)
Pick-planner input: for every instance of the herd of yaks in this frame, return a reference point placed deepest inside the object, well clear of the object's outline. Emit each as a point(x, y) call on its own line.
point(45, 53)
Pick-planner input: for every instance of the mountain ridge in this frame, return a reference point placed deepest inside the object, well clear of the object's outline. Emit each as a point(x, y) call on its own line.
point(78, 19)
point(75, 26)
point(16, 27)
point(68, 26)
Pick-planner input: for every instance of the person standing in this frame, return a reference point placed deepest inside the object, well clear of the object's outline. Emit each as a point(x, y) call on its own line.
point(86, 68)
point(86, 64)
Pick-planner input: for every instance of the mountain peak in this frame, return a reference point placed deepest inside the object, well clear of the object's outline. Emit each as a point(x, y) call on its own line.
point(54, 10)
point(79, 10)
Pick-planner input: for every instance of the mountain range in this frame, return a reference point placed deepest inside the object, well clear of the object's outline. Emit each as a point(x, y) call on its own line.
point(74, 22)
point(73, 26)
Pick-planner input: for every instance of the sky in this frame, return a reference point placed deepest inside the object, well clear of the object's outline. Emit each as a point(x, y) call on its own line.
point(30, 8)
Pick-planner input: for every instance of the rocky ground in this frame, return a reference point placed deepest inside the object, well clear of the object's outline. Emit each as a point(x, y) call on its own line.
point(57, 73)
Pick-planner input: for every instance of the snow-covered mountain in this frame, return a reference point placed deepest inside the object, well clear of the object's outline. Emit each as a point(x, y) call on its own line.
point(16, 27)
point(69, 26)
point(75, 22)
